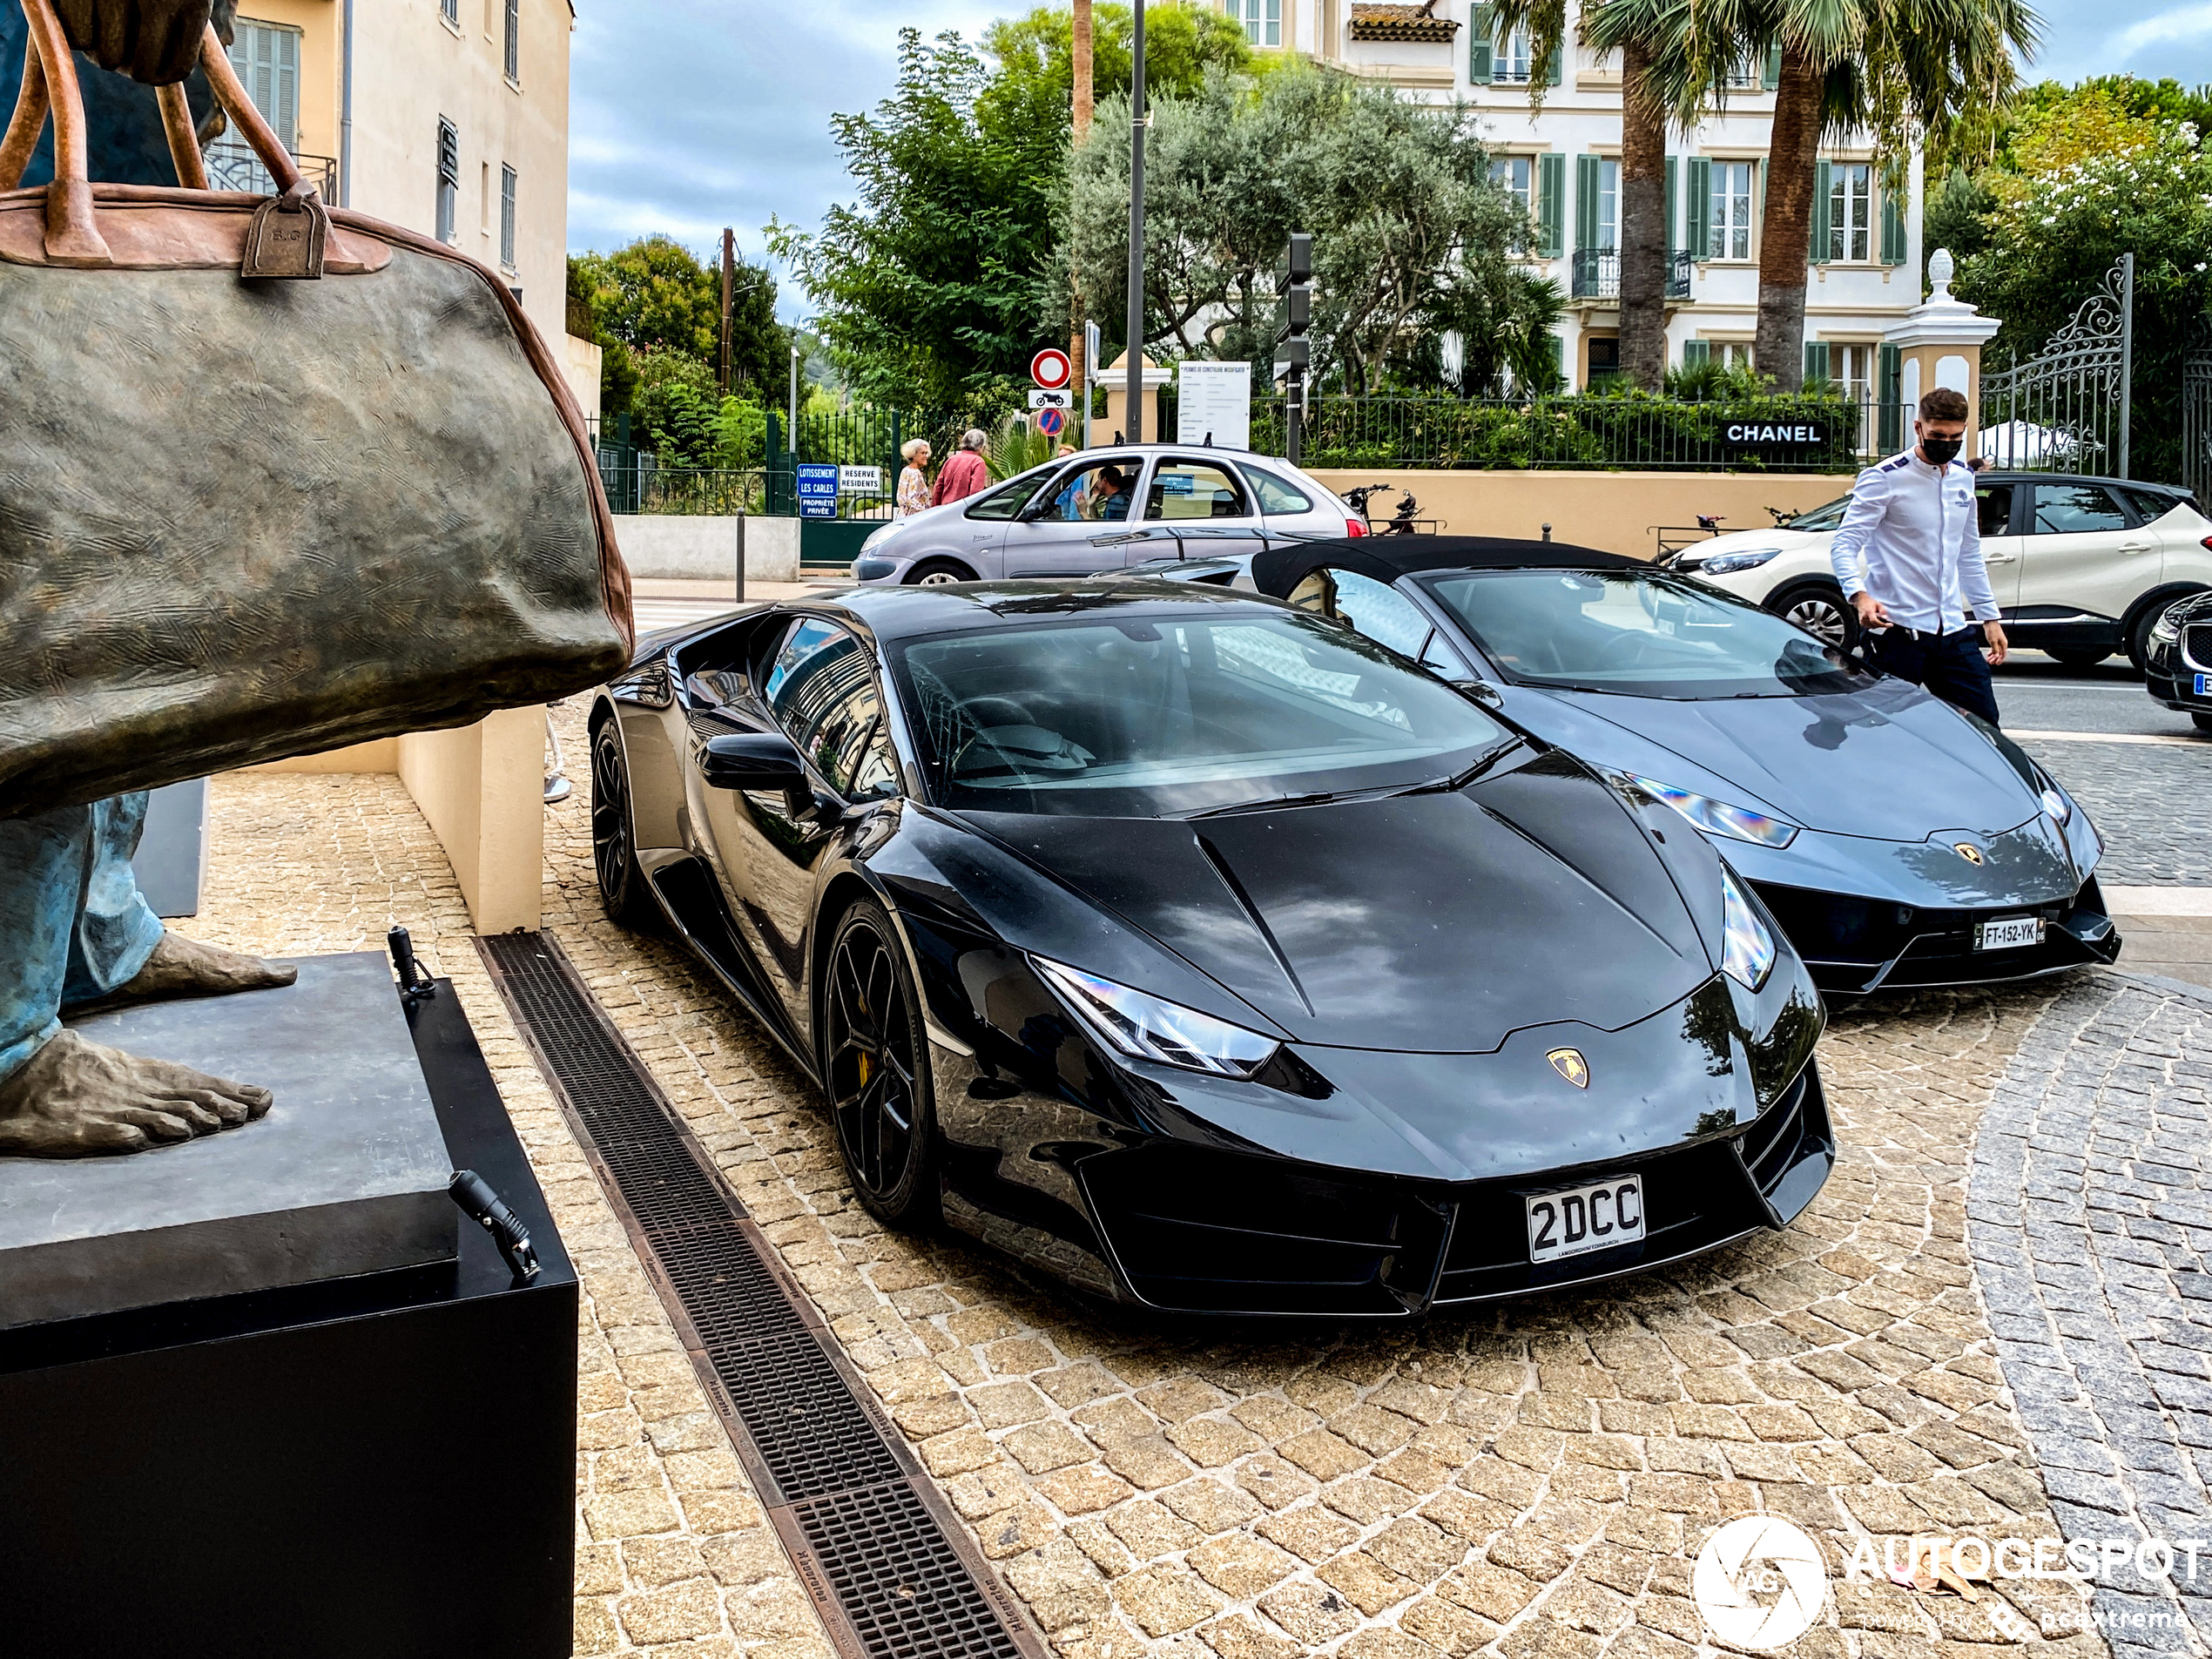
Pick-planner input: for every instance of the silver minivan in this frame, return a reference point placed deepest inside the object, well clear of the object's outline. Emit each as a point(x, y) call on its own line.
point(1102, 508)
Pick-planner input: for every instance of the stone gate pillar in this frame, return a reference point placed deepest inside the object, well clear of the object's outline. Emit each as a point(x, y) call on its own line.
point(1938, 343)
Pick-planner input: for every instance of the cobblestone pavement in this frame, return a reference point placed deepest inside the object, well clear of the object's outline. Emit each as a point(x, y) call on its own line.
point(1532, 1480)
point(674, 1555)
point(2149, 802)
point(2091, 1225)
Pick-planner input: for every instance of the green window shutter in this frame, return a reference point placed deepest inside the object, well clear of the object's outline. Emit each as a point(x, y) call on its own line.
point(1701, 206)
point(1559, 353)
point(1816, 359)
point(1889, 381)
point(1893, 227)
point(1481, 28)
point(1551, 205)
point(1673, 166)
point(1552, 64)
point(1823, 180)
point(1696, 351)
point(1586, 187)
point(1770, 76)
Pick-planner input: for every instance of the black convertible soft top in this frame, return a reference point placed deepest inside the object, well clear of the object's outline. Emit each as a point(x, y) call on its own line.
point(1278, 570)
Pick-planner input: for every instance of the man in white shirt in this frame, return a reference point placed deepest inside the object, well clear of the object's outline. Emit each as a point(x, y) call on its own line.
point(1912, 523)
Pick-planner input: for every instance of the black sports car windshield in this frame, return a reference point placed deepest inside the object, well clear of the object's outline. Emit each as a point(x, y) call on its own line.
point(1179, 713)
point(1643, 633)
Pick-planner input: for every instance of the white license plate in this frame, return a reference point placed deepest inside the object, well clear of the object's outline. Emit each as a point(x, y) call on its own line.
point(2204, 684)
point(1575, 1220)
point(2008, 932)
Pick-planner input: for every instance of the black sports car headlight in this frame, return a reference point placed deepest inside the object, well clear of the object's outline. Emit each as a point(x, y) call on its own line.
point(1146, 1027)
point(1747, 950)
point(2168, 628)
point(1719, 816)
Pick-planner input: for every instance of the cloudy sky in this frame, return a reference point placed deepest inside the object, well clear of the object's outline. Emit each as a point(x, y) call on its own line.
point(723, 117)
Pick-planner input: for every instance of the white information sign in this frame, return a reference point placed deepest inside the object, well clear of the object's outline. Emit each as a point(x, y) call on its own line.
point(860, 481)
point(1041, 400)
point(1215, 398)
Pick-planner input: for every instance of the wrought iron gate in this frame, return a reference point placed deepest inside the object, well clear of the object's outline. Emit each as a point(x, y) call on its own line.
point(2066, 409)
point(2196, 415)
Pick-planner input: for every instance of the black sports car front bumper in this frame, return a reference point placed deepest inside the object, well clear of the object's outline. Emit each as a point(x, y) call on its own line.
point(1202, 1230)
point(1857, 946)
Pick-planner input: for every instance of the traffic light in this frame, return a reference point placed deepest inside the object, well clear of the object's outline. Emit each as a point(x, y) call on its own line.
point(1294, 351)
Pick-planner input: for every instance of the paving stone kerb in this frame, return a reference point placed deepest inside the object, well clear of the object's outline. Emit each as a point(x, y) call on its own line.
point(2091, 1225)
point(1534, 1478)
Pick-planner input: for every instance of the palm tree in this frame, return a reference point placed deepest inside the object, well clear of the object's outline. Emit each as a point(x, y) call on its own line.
point(1645, 33)
point(1903, 69)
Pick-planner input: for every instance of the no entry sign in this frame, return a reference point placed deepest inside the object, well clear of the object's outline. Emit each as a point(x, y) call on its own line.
point(1049, 368)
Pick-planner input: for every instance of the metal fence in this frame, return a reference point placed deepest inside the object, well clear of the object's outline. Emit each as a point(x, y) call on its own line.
point(1584, 432)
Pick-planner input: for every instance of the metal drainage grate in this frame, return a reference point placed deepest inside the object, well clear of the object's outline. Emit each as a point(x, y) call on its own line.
point(888, 1566)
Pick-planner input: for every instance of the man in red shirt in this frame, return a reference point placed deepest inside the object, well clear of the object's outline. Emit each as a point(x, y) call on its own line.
point(964, 474)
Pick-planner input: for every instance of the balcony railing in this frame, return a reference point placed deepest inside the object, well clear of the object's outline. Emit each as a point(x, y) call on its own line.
point(1597, 274)
point(232, 164)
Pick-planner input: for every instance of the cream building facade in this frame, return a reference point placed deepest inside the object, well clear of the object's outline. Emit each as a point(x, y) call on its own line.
point(449, 116)
point(1563, 164)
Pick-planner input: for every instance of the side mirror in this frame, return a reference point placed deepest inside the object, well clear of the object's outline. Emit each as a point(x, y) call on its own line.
point(753, 761)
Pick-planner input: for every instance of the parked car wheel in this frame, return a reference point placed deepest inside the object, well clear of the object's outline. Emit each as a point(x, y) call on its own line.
point(614, 848)
point(2137, 629)
point(939, 573)
point(2069, 657)
point(2203, 721)
point(876, 1068)
point(1818, 607)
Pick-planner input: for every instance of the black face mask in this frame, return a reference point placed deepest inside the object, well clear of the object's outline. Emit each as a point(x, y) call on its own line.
point(1940, 450)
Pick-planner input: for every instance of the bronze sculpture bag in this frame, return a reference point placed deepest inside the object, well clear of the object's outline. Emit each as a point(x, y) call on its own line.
point(274, 477)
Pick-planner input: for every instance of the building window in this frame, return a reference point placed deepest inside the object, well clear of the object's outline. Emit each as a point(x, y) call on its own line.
point(1731, 232)
point(1850, 211)
point(451, 11)
point(266, 58)
point(1512, 59)
point(448, 178)
point(1262, 19)
point(1732, 353)
point(507, 218)
point(514, 39)
point(1516, 176)
point(1605, 359)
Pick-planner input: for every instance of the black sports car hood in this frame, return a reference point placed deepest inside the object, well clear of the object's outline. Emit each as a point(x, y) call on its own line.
point(1889, 761)
point(1439, 922)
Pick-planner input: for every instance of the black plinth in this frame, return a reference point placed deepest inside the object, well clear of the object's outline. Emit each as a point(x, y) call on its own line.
point(379, 1466)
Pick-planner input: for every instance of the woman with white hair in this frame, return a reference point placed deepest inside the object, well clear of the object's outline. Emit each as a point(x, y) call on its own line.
point(913, 482)
point(965, 473)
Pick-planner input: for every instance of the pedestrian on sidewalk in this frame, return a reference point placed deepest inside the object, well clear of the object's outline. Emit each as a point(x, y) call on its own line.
point(965, 473)
point(1912, 522)
point(913, 481)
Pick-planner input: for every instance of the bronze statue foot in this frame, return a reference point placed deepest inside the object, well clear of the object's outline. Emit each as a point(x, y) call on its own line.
point(182, 967)
point(79, 1099)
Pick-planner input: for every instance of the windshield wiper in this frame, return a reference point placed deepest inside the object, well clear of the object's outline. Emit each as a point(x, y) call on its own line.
point(1459, 780)
point(1321, 798)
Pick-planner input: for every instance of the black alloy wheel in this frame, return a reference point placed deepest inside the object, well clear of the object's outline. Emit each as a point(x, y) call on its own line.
point(875, 1066)
point(614, 854)
point(2201, 720)
point(1819, 609)
point(939, 573)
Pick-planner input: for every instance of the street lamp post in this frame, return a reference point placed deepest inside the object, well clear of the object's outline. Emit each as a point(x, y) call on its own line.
point(1134, 356)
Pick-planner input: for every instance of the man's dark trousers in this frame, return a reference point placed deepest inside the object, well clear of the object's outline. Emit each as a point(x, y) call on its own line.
point(1950, 665)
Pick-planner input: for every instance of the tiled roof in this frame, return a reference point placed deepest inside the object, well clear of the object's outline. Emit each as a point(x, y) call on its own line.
point(1372, 20)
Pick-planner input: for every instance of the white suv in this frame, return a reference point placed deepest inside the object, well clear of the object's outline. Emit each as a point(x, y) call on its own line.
point(2081, 567)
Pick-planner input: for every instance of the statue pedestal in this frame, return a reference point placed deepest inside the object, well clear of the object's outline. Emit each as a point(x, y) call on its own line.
point(374, 1464)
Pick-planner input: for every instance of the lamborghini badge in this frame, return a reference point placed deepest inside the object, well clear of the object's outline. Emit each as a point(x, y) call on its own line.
point(1569, 1064)
point(1969, 852)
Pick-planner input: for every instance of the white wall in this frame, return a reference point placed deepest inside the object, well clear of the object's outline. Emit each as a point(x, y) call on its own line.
point(669, 545)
